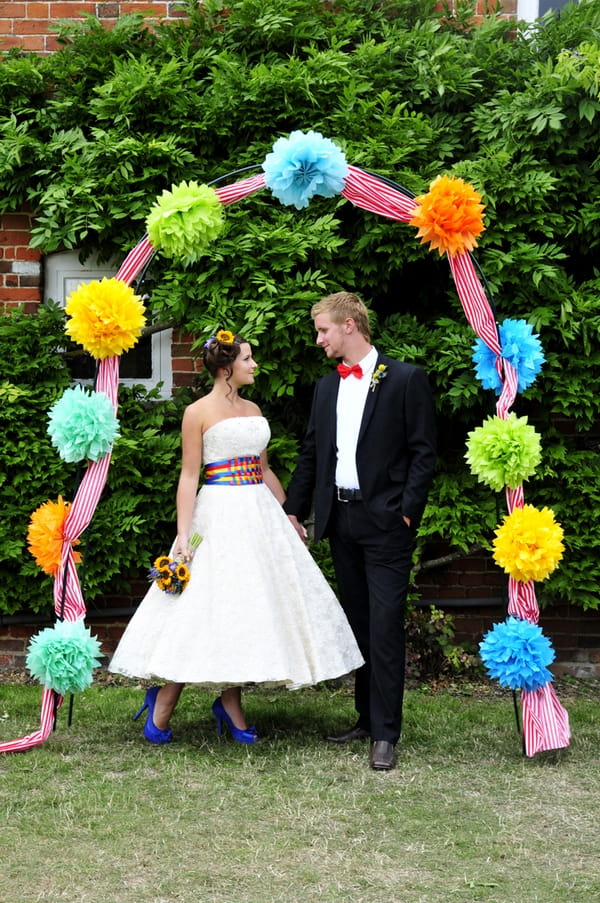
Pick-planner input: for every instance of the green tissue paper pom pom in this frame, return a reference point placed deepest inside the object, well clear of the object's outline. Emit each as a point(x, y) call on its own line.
point(82, 424)
point(185, 220)
point(63, 657)
point(503, 452)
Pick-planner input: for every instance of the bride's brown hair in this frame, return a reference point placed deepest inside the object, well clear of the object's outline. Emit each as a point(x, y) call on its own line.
point(219, 355)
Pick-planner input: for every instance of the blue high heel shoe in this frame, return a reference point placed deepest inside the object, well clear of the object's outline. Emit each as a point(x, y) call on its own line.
point(151, 732)
point(249, 735)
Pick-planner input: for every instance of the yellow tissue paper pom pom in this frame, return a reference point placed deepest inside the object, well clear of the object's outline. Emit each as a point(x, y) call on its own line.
point(107, 317)
point(528, 544)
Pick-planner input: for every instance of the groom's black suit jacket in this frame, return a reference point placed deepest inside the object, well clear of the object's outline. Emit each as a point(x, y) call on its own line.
point(395, 454)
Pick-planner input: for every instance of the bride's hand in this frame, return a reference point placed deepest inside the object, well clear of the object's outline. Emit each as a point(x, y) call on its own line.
point(182, 550)
point(185, 548)
point(298, 527)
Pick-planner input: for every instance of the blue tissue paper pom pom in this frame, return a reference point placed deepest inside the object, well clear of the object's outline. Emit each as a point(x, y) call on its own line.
point(82, 425)
point(63, 657)
point(516, 653)
point(302, 166)
point(520, 347)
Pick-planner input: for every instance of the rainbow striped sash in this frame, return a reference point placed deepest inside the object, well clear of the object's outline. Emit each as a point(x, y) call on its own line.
point(234, 472)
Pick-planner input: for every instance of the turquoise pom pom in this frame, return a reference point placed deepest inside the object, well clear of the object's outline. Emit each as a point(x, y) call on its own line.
point(516, 653)
point(302, 166)
point(82, 425)
point(63, 657)
point(520, 347)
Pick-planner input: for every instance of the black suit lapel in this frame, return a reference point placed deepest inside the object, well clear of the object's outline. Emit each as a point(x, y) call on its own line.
point(328, 406)
point(371, 401)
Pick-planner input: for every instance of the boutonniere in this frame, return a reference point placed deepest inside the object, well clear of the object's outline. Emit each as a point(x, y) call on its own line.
point(378, 375)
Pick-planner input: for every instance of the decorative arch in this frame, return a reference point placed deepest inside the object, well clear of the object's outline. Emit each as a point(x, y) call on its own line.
point(502, 453)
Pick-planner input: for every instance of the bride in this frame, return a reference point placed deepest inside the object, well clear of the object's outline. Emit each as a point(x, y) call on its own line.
point(257, 609)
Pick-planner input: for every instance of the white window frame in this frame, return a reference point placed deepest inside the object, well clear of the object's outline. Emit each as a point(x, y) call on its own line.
point(63, 272)
point(529, 10)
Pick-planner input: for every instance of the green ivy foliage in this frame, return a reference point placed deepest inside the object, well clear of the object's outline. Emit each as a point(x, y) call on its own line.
point(136, 513)
point(32, 378)
point(92, 134)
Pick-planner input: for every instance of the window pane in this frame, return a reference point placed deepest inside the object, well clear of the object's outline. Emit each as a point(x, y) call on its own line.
point(134, 364)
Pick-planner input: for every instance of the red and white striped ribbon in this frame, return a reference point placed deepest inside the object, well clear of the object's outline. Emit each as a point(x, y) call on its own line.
point(476, 306)
point(522, 602)
point(135, 261)
point(51, 702)
point(545, 721)
point(228, 194)
point(510, 384)
point(515, 498)
point(68, 597)
point(371, 193)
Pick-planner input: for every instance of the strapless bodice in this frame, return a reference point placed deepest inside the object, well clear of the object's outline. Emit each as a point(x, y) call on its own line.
point(235, 437)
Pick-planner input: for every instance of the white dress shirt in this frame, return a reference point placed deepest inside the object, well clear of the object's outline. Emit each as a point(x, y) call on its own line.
point(352, 394)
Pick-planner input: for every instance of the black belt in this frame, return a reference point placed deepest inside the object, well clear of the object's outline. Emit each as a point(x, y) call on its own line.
point(348, 495)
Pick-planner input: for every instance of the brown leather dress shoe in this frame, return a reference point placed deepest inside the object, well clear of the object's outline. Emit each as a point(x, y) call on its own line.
point(383, 756)
point(355, 733)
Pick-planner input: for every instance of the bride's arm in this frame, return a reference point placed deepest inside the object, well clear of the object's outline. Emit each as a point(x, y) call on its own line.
point(271, 479)
point(189, 477)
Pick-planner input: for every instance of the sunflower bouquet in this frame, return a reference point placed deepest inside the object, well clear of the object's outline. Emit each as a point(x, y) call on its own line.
point(171, 575)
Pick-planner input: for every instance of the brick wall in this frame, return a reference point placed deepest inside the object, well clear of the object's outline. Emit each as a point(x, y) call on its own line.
point(20, 265)
point(471, 590)
point(29, 25)
point(575, 635)
point(185, 364)
point(467, 579)
point(483, 8)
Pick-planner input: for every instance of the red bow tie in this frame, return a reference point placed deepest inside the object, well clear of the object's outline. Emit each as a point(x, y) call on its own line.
point(344, 370)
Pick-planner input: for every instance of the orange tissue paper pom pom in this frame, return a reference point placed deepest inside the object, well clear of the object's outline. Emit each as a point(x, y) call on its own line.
point(45, 535)
point(449, 216)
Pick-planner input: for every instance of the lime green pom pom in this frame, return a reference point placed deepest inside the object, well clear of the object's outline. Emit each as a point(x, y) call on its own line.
point(184, 221)
point(503, 452)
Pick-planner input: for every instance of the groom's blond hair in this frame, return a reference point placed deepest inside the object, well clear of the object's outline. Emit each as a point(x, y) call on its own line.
point(343, 305)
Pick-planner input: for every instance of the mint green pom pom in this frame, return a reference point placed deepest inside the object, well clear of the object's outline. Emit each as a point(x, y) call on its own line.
point(82, 424)
point(185, 220)
point(503, 452)
point(63, 657)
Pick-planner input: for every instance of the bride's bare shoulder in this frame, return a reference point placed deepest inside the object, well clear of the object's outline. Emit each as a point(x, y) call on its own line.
point(251, 409)
point(197, 413)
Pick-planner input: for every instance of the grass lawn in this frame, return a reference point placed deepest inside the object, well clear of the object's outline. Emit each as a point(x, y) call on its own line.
point(99, 815)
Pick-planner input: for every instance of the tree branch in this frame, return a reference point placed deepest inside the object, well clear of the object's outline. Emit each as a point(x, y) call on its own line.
point(432, 563)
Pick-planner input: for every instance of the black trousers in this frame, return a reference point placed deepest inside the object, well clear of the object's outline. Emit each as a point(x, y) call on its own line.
point(372, 569)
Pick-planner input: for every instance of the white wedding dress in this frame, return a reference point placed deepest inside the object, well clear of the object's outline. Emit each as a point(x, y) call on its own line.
point(257, 609)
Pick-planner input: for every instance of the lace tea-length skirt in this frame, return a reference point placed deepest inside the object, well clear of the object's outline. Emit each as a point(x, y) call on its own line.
point(257, 608)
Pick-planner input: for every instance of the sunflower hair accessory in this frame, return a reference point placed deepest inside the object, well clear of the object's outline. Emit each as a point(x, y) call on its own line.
point(225, 337)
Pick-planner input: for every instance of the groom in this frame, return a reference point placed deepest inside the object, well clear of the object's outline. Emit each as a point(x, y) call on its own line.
point(368, 457)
